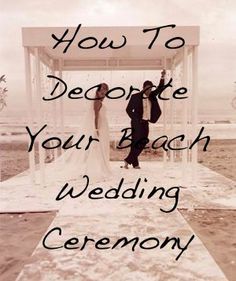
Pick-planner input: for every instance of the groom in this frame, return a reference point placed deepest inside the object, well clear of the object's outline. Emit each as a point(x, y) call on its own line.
point(142, 108)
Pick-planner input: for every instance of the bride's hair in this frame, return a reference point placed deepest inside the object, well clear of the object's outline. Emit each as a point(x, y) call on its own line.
point(100, 86)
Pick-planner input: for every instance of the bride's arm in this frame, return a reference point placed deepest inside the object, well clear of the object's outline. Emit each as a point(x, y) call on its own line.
point(97, 107)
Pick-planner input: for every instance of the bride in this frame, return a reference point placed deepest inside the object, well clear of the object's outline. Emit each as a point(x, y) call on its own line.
point(93, 162)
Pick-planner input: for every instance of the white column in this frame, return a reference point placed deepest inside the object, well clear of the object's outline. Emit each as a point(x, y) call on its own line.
point(40, 116)
point(54, 112)
point(190, 104)
point(49, 152)
point(62, 126)
point(184, 112)
point(164, 116)
point(175, 109)
point(195, 107)
point(172, 112)
point(30, 110)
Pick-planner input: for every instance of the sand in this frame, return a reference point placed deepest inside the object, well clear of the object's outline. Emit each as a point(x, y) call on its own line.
point(216, 228)
point(220, 157)
point(19, 235)
point(14, 158)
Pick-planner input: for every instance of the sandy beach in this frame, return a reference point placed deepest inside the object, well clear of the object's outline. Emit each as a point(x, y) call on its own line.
point(216, 228)
point(219, 157)
point(19, 235)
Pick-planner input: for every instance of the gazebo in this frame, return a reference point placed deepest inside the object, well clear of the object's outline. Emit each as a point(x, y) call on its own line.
point(38, 46)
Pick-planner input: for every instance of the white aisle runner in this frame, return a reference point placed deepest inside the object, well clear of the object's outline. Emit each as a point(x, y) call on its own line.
point(117, 218)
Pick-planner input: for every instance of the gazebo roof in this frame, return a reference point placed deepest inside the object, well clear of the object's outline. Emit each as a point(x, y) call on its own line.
point(134, 55)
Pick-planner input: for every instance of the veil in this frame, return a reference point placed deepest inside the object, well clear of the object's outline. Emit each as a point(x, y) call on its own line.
point(74, 163)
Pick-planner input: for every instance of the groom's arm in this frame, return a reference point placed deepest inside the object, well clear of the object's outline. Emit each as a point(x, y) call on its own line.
point(130, 108)
point(161, 85)
point(158, 114)
point(159, 88)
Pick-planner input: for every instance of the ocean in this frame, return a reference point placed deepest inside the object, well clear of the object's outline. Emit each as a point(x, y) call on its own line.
point(12, 125)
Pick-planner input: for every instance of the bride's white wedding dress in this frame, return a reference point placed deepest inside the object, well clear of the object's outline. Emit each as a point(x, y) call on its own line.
point(93, 162)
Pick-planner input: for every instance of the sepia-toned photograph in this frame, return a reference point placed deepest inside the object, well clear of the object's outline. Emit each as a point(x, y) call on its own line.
point(118, 140)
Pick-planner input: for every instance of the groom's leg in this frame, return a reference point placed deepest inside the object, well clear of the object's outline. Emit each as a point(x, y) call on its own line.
point(139, 136)
point(141, 141)
point(132, 156)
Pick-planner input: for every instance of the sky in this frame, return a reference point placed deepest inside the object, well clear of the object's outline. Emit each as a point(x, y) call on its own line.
point(216, 18)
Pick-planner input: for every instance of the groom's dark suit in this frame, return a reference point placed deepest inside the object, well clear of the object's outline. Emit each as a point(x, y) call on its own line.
point(140, 128)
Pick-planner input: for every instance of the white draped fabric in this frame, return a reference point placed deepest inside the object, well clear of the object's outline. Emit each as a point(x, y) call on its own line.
point(93, 162)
